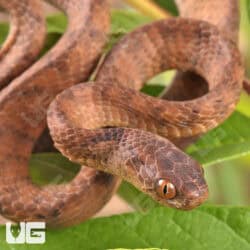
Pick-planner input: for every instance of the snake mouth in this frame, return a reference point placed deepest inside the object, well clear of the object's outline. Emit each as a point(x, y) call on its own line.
point(190, 201)
point(195, 199)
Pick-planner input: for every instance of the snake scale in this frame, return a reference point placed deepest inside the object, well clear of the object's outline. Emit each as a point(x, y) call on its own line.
point(108, 125)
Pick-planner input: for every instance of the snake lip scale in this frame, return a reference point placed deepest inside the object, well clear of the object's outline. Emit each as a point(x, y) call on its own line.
point(109, 126)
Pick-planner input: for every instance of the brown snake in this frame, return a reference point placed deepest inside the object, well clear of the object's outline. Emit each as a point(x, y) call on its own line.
point(24, 42)
point(108, 124)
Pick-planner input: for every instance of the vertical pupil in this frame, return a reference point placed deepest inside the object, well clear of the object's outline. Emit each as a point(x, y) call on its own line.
point(165, 189)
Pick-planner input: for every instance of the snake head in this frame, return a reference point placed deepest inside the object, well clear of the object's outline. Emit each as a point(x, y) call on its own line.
point(180, 181)
point(171, 177)
point(181, 192)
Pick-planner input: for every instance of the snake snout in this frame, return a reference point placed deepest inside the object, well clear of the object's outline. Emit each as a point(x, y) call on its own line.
point(195, 198)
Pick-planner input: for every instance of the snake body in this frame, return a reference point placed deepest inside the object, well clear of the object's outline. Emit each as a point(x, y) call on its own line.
point(23, 105)
point(108, 124)
point(188, 85)
point(24, 42)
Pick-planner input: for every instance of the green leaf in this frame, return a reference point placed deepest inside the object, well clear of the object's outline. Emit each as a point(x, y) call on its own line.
point(138, 249)
point(51, 168)
point(137, 199)
point(222, 228)
point(56, 23)
point(51, 39)
point(153, 90)
point(124, 21)
point(244, 104)
point(248, 8)
point(4, 27)
point(226, 174)
point(168, 5)
point(229, 141)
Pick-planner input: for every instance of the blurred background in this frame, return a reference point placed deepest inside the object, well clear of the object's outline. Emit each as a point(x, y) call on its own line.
point(229, 182)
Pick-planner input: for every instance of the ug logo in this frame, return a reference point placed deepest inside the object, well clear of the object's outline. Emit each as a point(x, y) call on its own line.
point(27, 232)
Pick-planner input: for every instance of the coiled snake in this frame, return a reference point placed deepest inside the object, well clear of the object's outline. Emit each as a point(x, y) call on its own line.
point(108, 125)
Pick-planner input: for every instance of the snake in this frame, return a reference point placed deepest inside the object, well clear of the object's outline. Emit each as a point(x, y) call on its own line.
point(23, 43)
point(107, 125)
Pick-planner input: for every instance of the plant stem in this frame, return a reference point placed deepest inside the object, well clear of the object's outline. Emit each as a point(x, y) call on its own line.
point(149, 8)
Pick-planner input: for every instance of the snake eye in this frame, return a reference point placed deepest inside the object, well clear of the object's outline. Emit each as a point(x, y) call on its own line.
point(165, 189)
